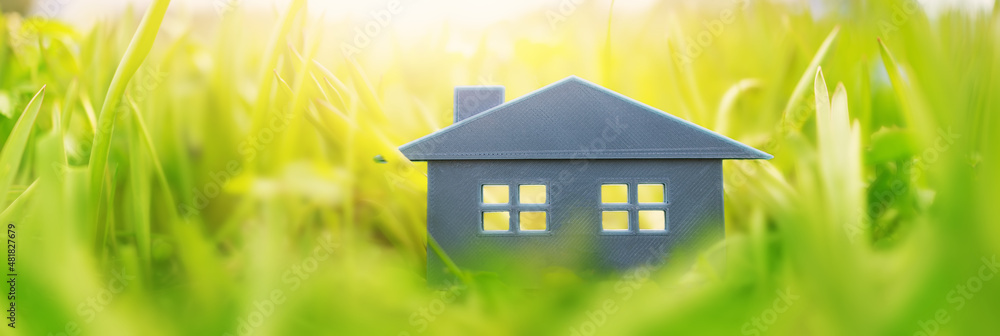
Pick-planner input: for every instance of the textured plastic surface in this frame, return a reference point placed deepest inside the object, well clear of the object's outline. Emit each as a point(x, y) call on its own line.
point(573, 238)
point(472, 100)
point(572, 137)
point(572, 119)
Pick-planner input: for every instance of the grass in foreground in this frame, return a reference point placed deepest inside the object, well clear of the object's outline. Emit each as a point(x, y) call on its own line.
point(207, 218)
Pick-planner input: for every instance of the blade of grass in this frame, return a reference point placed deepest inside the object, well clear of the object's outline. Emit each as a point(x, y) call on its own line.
point(452, 267)
point(18, 206)
point(147, 139)
point(787, 122)
point(139, 190)
point(312, 115)
point(729, 102)
point(136, 53)
point(914, 107)
point(88, 108)
point(107, 236)
point(334, 111)
point(606, 62)
point(822, 96)
point(263, 101)
point(296, 140)
point(336, 85)
point(143, 232)
point(68, 103)
point(13, 149)
point(366, 92)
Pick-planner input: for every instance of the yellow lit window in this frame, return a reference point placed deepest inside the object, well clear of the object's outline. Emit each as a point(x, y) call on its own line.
point(532, 194)
point(533, 221)
point(495, 194)
point(652, 220)
point(614, 193)
point(496, 221)
point(650, 193)
point(614, 220)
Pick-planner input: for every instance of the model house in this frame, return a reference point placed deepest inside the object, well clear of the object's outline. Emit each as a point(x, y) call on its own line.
point(572, 175)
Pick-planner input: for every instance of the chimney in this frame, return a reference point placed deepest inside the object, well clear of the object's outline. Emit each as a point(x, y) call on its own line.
point(472, 100)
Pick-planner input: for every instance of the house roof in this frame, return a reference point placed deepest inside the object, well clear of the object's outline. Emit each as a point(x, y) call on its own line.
point(575, 119)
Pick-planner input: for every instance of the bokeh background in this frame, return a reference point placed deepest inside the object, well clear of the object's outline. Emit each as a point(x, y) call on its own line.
point(208, 167)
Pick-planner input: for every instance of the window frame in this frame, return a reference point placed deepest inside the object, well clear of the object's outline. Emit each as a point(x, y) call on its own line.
point(514, 207)
point(633, 206)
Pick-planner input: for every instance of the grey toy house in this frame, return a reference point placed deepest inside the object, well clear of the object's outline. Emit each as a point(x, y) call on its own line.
point(572, 175)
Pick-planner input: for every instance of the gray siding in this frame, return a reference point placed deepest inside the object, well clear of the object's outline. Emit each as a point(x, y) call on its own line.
point(574, 239)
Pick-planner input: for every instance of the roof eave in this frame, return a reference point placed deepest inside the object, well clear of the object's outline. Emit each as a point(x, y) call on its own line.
point(522, 156)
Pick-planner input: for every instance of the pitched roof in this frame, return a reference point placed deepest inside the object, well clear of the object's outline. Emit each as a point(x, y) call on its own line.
point(575, 119)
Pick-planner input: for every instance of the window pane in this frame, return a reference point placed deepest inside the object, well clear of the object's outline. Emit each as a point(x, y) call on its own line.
point(614, 193)
point(496, 221)
point(533, 221)
point(614, 220)
point(532, 194)
point(652, 220)
point(495, 194)
point(650, 193)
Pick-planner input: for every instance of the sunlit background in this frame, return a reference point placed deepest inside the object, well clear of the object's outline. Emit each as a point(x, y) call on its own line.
point(153, 195)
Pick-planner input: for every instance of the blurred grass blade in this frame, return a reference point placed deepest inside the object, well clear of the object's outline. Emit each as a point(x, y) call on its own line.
point(13, 149)
point(788, 122)
point(336, 85)
point(840, 126)
point(606, 62)
point(147, 139)
point(88, 109)
point(136, 53)
point(18, 206)
point(263, 101)
point(914, 107)
point(822, 96)
point(366, 92)
point(452, 267)
point(142, 226)
point(68, 102)
point(729, 103)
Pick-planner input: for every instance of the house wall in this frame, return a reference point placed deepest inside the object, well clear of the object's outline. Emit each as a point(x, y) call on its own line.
point(574, 239)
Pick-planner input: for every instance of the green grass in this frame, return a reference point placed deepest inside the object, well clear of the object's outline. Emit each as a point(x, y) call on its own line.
point(234, 158)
